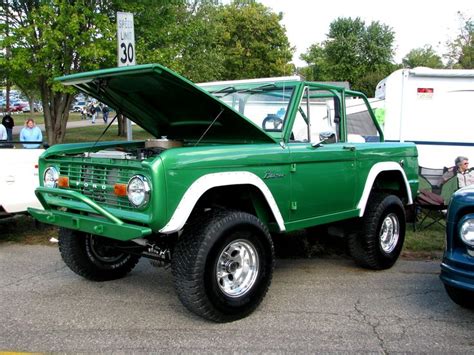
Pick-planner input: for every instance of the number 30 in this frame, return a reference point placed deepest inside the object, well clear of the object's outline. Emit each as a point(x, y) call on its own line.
point(127, 53)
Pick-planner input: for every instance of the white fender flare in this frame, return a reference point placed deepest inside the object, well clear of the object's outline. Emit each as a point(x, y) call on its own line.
point(206, 182)
point(369, 182)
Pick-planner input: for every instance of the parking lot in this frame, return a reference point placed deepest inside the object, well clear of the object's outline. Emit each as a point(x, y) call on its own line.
point(324, 304)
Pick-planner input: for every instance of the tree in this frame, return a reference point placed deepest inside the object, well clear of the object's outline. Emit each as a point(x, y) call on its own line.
point(201, 39)
point(54, 38)
point(354, 52)
point(422, 57)
point(254, 43)
point(204, 40)
point(461, 50)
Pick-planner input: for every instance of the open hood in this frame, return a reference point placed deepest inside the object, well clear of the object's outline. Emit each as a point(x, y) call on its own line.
point(166, 104)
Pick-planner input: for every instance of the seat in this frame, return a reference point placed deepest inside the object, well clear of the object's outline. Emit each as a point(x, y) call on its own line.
point(433, 199)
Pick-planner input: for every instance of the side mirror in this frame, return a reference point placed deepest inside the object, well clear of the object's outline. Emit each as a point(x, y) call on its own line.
point(325, 137)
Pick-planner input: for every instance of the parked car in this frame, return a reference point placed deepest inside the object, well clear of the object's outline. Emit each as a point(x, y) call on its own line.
point(457, 267)
point(18, 180)
point(18, 106)
point(78, 106)
point(36, 107)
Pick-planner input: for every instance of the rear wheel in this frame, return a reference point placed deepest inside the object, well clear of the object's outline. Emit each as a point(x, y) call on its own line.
point(461, 297)
point(93, 257)
point(223, 266)
point(379, 241)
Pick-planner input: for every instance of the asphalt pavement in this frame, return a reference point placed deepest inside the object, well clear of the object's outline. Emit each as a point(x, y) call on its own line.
point(314, 305)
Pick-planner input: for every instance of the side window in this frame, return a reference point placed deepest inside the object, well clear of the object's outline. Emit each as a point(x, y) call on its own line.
point(317, 117)
point(360, 126)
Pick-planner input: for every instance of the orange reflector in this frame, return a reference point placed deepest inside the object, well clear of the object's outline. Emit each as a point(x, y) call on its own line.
point(120, 189)
point(63, 181)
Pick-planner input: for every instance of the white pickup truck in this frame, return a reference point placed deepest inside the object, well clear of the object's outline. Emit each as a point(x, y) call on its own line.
point(18, 180)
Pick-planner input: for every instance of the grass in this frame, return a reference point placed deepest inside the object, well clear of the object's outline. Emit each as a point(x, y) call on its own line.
point(92, 133)
point(20, 118)
point(23, 229)
point(428, 242)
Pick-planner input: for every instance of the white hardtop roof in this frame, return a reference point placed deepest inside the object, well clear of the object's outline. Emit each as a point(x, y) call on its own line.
point(423, 71)
point(252, 81)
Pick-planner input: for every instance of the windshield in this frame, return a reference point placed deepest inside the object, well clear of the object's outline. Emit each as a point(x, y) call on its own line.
point(266, 105)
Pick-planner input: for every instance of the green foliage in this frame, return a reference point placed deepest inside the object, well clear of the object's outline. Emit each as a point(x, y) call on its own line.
point(206, 41)
point(200, 39)
point(52, 38)
point(253, 41)
point(461, 50)
point(422, 57)
point(352, 52)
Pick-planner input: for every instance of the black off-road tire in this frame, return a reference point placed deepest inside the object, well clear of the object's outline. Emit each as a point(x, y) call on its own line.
point(92, 257)
point(368, 245)
point(200, 254)
point(461, 297)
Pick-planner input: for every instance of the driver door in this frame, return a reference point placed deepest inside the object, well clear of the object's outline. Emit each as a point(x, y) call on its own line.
point(323, 176)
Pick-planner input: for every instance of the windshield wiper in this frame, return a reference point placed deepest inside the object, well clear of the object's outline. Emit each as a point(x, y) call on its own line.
point(226, 90)
point(232, 90)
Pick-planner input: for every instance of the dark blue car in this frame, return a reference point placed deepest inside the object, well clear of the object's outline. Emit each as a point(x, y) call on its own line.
point(457, 268)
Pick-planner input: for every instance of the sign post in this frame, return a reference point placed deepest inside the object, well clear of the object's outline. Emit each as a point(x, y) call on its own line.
point(126, 48)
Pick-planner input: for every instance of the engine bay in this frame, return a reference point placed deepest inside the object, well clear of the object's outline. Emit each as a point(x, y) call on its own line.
point(150, 149)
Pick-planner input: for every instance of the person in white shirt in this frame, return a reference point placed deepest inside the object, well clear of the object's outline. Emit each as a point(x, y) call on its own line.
point(3, 133)
point(464, 174)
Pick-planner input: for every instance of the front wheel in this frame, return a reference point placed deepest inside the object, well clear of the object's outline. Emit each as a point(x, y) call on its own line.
point(223, 265)
point(461, 297)
point(93, 257)
point(379, 241)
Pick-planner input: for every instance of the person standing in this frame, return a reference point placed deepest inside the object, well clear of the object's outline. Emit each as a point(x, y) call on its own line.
point(9, 123)
point(105, 113)
point(3, 136)
point(31, 133)
point(93, 111)
point(3, 133)
point(84, 113)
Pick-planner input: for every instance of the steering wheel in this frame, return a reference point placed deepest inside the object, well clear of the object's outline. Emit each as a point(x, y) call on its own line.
point(274, 122)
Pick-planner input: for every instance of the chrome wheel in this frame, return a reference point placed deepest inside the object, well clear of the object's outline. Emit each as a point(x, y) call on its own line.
point(237, 268)
point(389, 233)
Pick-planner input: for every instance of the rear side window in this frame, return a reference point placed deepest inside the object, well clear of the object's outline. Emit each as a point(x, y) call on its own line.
point(360, 125)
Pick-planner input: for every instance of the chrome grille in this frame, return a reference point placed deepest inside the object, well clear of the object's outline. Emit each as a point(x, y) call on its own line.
point(97, 182)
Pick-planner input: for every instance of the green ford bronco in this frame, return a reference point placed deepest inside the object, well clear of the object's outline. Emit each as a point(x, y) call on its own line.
point(230, 164)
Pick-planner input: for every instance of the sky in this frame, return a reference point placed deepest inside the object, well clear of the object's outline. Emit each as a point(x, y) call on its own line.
point(416, 23)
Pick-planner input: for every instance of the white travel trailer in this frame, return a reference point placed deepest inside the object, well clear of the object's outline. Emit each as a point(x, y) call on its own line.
point(433, 108)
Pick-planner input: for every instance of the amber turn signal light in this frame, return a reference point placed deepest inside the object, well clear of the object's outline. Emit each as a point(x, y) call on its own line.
point(120, 189)
point(63, 181)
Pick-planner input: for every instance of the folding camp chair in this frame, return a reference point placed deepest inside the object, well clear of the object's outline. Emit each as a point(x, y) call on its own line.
point(433, 199)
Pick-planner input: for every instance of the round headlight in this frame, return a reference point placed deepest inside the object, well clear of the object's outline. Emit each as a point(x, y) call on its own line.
point(467, 232)
point(50, 177)
point(138, 190)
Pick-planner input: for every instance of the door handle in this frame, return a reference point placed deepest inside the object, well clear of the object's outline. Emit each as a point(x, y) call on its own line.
point(349, 147)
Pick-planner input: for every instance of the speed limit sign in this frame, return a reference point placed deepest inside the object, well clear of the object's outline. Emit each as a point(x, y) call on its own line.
point(125, 39)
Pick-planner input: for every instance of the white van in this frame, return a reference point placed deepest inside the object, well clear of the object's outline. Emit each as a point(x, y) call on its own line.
point(433, 108)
